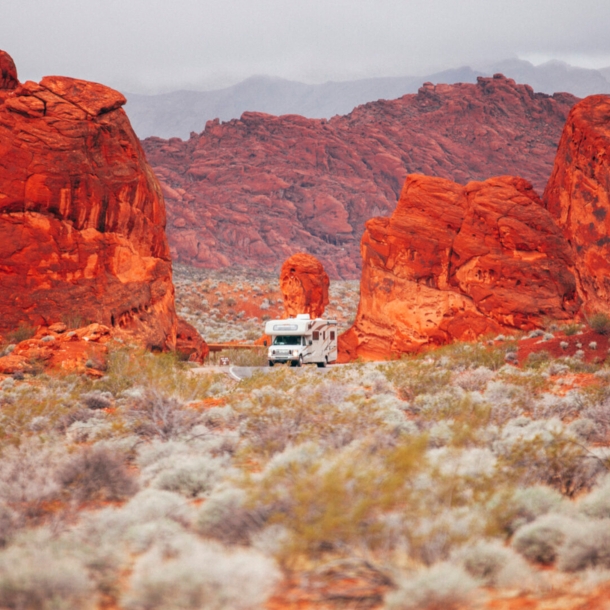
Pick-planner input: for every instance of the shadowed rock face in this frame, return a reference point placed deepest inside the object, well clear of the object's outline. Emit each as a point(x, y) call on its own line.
point(252, 191)
point(304, 285)
point(82, 216)
point(577, 196)
point(457, 262)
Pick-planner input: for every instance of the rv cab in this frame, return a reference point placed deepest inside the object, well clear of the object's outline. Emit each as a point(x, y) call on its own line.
point(302, 340)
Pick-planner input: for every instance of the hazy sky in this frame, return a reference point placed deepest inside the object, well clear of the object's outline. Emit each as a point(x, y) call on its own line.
point(160, 45)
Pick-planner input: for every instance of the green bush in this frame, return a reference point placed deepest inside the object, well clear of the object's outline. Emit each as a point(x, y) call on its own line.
point(600, 323)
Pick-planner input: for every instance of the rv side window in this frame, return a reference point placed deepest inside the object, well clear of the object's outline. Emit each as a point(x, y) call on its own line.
point(332, 335)
point(316, 335)
point(324, 335)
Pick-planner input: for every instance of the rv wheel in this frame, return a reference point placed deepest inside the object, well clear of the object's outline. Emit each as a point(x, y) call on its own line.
point(271, 363)
point(321, 365)
point(300, 361)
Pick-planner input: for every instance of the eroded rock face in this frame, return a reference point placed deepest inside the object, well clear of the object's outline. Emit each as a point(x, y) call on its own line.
point(254, 190)
point(189, 343)
point(457, 262)
point(82, 216)
point(577, 196)
point(304, 285)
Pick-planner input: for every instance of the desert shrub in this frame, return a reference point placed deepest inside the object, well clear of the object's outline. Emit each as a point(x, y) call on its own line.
point(96, 473)
point(180, 582)
point(155, 414)
point(474, 379)
point(97, 399)
point(599, 413)
point(442, 586)
point(597, 503)
point(28, 475)
point(570, 329)
point(550, 405)
point(587, 546)
point(227, 516)
point(493, 564)
point(584, 428)
point(541, 452)
point(153, 504)
point(525, 505)
point(537, 360)
point(185, 468)
point(540, 540)
point(39, 578)
point(600, 323)
point(21, 333)
point(424, 380)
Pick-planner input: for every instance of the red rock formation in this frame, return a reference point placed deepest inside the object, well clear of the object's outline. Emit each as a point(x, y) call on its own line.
point(457, 262)
point(304, 285)
point(189, 343)
point(81, 215)
point(577, 196)
point(8, 72)
point(251, 191)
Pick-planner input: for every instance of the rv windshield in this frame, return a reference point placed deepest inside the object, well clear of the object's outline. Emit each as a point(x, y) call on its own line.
point(287, 340)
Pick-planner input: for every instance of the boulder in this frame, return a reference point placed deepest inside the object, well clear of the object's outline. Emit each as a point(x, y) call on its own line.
point(459, 262)
point(577, 196)
point(304, 285)
point(82, 216)
point(190, 345)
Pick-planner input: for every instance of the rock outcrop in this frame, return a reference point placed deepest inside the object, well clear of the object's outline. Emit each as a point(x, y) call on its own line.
point(459, 262)
point(252, 191)
point(189, 343)
point(578, 197)
point(55, 348)
point(82, 215)
point(304, 285)
point(8, 72)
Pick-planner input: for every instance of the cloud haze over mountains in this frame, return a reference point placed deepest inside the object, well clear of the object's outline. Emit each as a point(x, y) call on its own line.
point(150, 46)
point(179, 113)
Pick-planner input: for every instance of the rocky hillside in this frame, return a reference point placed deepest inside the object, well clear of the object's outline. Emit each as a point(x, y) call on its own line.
point(256, 190)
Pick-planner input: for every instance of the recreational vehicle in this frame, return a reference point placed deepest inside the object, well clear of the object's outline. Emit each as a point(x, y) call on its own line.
point(302, 340)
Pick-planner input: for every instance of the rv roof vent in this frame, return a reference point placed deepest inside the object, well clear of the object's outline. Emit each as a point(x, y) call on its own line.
point(303, 316)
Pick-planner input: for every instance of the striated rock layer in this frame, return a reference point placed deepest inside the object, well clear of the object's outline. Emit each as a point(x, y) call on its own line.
point(304, 285)
point(82, 216)
point(458, 262)
point(577, 196)
point(255, 190)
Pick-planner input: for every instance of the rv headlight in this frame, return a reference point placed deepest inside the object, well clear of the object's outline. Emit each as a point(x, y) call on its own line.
point(295, 352)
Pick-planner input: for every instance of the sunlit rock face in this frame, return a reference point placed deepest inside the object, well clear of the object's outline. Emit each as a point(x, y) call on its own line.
point(82, 217)
point(459, 262)
point(577, 197)
point(256, 189)
point(304, 285)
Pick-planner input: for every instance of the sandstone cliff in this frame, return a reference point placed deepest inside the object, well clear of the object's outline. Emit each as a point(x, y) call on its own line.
point(457, 262)
point(577, 196)
point(82, 216)
point(255, 190)
point(304, 285)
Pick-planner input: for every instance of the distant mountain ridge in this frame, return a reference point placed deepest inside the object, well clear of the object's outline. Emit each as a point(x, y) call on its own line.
point(179, 113)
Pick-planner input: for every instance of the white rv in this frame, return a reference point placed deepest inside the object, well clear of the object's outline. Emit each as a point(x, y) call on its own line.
point(302, 340)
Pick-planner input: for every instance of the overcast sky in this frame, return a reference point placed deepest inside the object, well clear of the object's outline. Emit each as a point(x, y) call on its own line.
point(160, 45)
